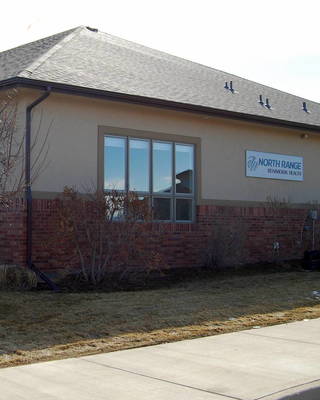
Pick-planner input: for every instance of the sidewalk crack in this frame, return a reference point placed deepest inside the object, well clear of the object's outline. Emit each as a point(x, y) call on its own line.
point(164, 380)
point(278, 338)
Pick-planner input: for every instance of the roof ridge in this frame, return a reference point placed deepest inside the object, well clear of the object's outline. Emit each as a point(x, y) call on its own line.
point(28, 71)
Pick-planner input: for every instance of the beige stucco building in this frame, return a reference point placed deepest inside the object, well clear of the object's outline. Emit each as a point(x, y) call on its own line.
point(188, 138)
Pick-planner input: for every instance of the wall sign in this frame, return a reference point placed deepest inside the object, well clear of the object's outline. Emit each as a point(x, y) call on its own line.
point(274, 166)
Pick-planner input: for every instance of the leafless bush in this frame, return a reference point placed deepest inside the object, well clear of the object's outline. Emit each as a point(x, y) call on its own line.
point(10, 146)
point(305, 236)
point(107, 232)
point(12, 149)
point(275, 204)
point(226, 244)
point(16, 278)
point(309, 235)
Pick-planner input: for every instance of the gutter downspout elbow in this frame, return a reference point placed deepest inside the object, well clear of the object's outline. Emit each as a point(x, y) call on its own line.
point(28, 183)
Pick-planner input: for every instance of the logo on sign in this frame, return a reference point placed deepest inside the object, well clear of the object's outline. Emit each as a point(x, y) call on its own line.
point(252, 163)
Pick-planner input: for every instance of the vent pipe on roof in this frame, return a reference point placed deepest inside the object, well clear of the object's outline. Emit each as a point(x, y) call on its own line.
point(304, 107)
point(231, 87)
point(267, 103)
point(261, 100)
point(92, 29)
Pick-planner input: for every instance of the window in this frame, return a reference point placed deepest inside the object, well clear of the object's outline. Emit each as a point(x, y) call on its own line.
point(115, 165)
point(160, 171)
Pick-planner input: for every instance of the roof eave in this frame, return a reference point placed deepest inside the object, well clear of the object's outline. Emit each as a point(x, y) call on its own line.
point(154, 102)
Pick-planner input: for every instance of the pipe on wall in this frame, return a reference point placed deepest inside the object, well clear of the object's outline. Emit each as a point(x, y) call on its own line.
point(28, 183)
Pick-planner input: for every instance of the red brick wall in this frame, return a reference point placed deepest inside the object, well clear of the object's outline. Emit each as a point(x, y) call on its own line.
point(264, 227)
point(180, 245)
point(13, 233)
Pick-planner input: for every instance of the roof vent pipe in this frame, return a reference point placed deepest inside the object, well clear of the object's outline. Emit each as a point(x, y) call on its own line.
point(261, 100)
point(231, 87)
point(267, 103)
point(226, 86)
point(304, 107)
point(92, 29)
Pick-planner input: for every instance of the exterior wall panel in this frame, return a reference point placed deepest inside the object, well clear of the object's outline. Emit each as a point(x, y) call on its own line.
point(73, 153)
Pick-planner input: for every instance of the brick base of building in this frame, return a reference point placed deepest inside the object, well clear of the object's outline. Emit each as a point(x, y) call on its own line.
point(259, 230)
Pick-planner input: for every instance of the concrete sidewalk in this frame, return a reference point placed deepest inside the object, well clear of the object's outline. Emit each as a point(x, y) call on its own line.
point(279, 362)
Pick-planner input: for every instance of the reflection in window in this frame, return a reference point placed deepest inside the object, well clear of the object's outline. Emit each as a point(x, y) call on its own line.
point(114, 207)
point(161, 209)
point(183, 209)
point(114, 165)
point(184, 168)
point(154, 173)
point(162, 167)
point(139, 165)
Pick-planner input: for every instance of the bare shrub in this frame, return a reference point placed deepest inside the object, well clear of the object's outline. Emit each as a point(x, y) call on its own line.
point(226, 244)
point(305, 236)
point(13, 277)
point(12, 149)
point(309, 235)
point(106, 232)
point(275, 204)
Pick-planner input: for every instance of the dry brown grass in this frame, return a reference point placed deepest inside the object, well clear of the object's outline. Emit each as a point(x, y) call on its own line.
point(38, 326)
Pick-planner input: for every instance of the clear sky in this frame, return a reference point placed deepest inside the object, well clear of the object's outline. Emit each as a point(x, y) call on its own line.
point(274, 42)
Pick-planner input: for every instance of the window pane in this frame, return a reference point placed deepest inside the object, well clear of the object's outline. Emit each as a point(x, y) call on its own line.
point(184, 168)
point(139, 165)
point(183, 210)
point(161, 209)
point(162, 167)
point(114, 163)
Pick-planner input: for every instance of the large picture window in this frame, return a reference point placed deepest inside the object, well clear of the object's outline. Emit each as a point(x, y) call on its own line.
point(161, 171)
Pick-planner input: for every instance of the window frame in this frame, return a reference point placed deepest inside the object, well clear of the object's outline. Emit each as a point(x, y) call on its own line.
point(152, 137)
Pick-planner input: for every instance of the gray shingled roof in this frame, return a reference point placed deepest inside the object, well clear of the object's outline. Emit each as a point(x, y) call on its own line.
point(15, 62)
point(95, 60)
